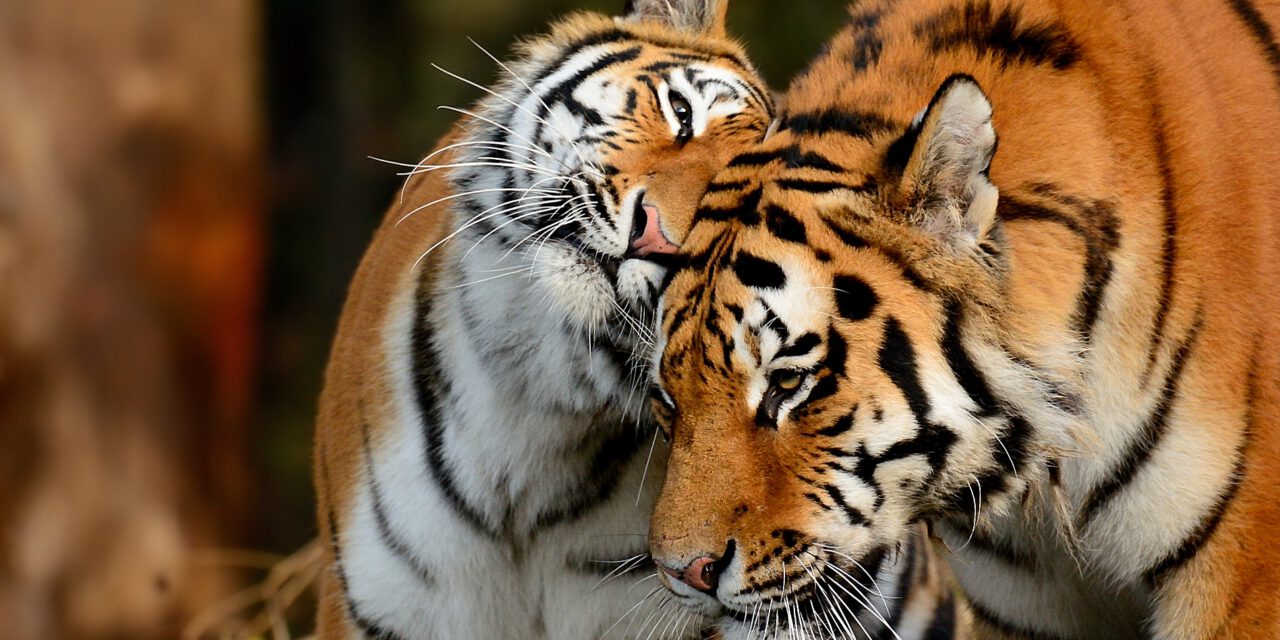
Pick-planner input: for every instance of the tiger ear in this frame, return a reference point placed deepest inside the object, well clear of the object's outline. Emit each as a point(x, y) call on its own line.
point(705, 17)
point(945, 175)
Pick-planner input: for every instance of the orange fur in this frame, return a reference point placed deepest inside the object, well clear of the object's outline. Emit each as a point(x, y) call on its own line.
point(1156, 126)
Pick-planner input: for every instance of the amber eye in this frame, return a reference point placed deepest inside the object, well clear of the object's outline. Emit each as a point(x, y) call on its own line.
point(788, 380)
point(684, 116)
point(783, 384)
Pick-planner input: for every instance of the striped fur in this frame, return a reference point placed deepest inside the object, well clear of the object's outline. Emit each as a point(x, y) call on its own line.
point(483, 464)
point(1060, 354)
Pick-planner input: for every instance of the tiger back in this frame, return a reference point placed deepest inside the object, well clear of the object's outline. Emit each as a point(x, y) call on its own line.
point(1058, 351)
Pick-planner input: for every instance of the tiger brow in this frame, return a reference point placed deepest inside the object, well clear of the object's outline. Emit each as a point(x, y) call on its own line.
point(803, 345)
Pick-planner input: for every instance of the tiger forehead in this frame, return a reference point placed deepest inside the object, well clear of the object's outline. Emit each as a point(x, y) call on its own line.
point(726, 282)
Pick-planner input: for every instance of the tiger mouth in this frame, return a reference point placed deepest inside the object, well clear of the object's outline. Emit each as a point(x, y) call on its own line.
point(607, 263)
point(610, 263)
point(794, 599)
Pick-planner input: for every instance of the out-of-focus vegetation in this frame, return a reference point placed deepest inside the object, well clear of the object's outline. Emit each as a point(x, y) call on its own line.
point(185, 191)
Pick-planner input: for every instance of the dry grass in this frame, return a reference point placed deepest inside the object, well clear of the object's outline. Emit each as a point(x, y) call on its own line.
point(262, 610)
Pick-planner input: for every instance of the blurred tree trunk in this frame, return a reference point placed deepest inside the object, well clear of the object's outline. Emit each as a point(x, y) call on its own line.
point(130, 259)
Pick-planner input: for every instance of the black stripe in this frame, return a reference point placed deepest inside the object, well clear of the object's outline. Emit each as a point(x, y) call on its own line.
point(986, 616)
point(783, 225)
point(962, 367)
point(897, 359)
point(872, 561)
point(795, 158)
point(853, 240)
point(943, 626)
point(754, 159)
point(1208, 526)
point(855, 300)
point(745, 211)
point(824, 186)
point(717, 187)
point(848, 237)
point(1100, 239)
point(635, 565)
point(852, 515)
point(758, 272)
point(1261, 32)
point(1203, 532)
point(662, 65)
point(910, 587)
point(367, 627)
point(574, 48)
point(898, 153)
point(431, 389)
point(1168, 199)
point(824, 388)
point(615, 446)
point(388, 537)
point(632, 101)
point(858, 124)
point(839, 427)
point(1001, 34)
point(837, 352)
point(813, 497)
point(806, 342)
point(867, 43)
point(563, 92)
point(1149, 436)
point(1006, 452)
point(1000, 550)
point(788, 578)
point(610, 36)
point(864, 470)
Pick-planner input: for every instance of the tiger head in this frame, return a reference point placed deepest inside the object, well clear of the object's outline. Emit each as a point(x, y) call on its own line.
point(587, 161)
point(830, 368)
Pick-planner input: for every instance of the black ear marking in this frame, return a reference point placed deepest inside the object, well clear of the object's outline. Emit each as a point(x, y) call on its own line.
point(855, 299)
point(946, 170)
point(899, 151)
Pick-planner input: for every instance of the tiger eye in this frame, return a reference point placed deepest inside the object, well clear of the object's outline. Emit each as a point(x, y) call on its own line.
point(789, 381)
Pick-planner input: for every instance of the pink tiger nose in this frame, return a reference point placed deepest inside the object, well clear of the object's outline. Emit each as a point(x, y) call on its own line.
point(702, 574)
point(647, 237)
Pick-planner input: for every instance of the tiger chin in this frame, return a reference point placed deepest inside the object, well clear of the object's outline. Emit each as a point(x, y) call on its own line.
point(485, 467)
point(1057, 352)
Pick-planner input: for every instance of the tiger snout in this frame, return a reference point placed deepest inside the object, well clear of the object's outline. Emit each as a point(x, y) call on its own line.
point(648, 238)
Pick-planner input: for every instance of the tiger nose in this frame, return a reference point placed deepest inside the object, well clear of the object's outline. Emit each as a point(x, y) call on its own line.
point(647, 237)
point(702, 574)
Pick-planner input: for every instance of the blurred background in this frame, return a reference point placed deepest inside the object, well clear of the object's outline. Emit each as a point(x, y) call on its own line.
point(185, 190)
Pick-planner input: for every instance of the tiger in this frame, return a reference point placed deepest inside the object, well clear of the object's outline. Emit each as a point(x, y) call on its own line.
point(1005, 270)
point(484, 463)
